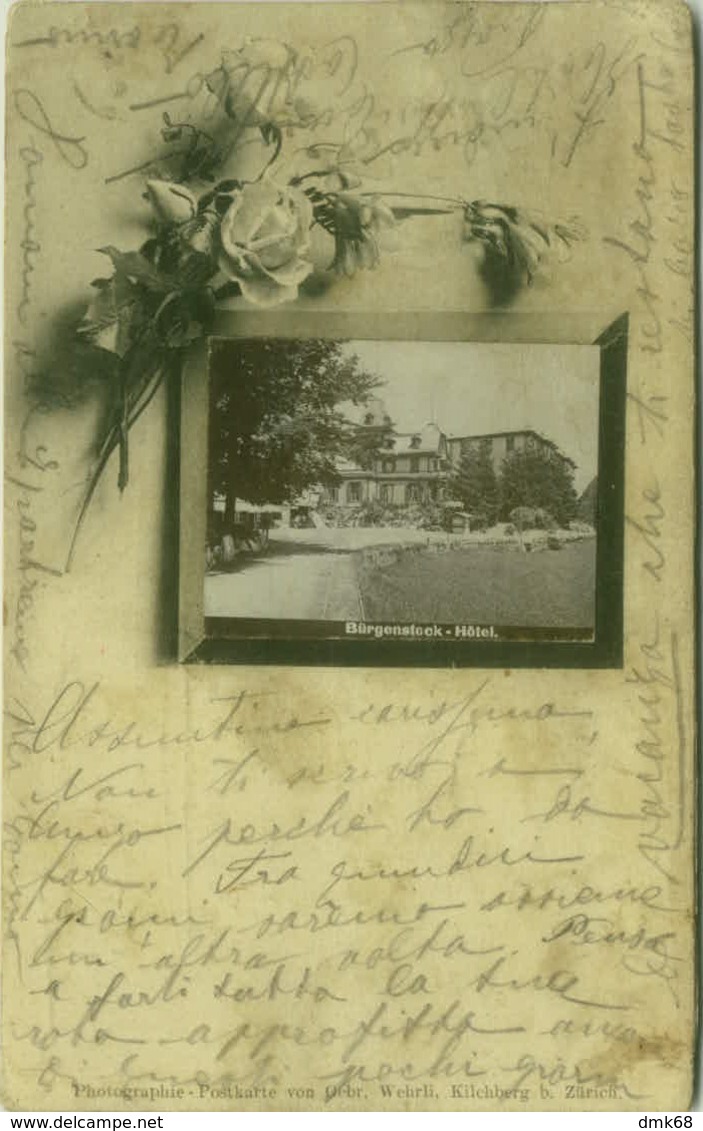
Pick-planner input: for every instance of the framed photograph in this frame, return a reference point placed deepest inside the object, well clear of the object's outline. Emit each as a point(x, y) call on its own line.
point(435, 490)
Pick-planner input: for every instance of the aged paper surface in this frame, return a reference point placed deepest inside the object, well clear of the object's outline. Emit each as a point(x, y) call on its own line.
point(327, 886)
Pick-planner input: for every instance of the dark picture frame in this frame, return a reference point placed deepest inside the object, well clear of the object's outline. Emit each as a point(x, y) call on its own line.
point(239, 640)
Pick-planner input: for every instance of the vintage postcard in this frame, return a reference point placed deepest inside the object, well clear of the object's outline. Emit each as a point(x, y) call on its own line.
point(349, 697)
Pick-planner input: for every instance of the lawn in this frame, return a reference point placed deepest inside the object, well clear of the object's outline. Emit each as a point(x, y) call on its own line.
point(485, 585)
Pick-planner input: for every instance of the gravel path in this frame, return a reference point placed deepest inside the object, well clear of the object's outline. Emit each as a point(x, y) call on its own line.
point(295, 580)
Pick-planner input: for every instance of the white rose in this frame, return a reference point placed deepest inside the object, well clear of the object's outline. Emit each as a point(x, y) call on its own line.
point(265, 239)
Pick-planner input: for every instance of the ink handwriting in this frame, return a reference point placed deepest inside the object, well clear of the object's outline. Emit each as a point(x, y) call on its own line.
point(30, 108)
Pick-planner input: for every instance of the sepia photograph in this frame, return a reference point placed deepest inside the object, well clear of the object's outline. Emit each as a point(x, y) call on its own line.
point(428, 490)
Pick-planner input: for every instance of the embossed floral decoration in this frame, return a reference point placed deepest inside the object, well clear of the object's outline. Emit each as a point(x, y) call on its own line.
point(213, 239)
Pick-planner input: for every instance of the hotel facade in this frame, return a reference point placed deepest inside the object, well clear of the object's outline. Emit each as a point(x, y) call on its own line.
point(415, 468)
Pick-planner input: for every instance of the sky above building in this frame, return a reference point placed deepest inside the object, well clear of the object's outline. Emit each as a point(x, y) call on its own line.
point(470, 388)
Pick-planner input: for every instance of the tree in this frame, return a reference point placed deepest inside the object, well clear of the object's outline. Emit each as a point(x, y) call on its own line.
point(275, 422)
point(539, 479)
point(475, 483)
point(587, 510)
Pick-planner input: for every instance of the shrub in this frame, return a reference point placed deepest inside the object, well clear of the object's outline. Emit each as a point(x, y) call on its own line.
point(580, 527)
point(371, 514)
point(544, 520)
point(523, 518)
point(431, 518)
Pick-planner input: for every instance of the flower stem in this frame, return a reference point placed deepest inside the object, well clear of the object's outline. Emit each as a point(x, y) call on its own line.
point(114, 438)
point(122, 433)
point(307, 176)
point(419, 196)
point(278, 145)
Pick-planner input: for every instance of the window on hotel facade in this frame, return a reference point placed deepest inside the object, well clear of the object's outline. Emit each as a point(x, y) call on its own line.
point(354, 492)
point(510, 443)
point(412, 493)
point(333, 494)
point(389, 465)
point(385, 493)
point(414, 463)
